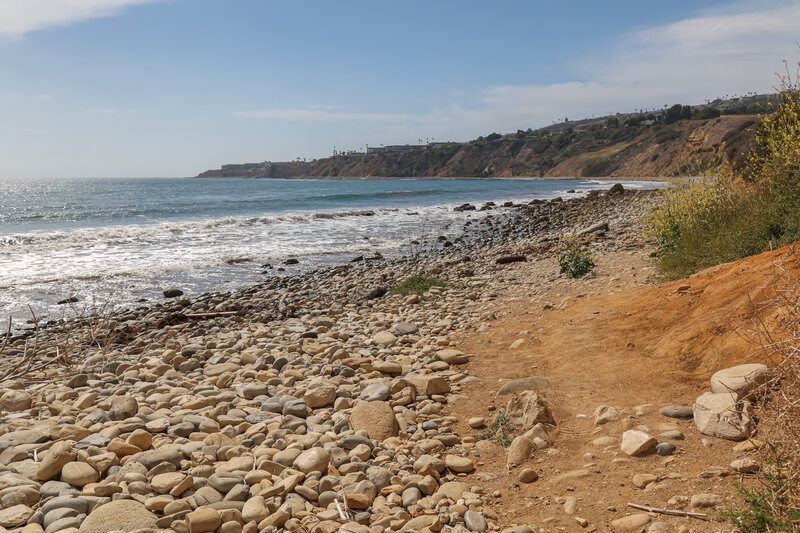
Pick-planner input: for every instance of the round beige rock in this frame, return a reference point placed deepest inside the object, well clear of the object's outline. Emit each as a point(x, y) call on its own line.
point(313, 460)
point(740, 380)
point(123, 407)
point(163, 483)
point(119, 515)
point(79, 474)
point(15, 400)
point(476, 422)
point(461, 465)
point(528, 475)
point(255, 509)
point(203, 520)
point(643, 480)
point(15, 516)
point(320, 395)
point(634, 522)
point(376, 418)
point(57, 456)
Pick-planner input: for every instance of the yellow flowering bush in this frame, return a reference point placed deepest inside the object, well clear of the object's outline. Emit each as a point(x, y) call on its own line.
point(720, 215)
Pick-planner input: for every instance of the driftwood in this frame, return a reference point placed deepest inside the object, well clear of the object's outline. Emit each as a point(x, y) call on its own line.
point(673, 512)
point(211, 315)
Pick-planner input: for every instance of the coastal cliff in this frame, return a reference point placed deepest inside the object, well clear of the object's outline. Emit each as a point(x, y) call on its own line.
point(599, 149)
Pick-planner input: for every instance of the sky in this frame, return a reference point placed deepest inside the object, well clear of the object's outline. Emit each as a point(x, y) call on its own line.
point(174, 87)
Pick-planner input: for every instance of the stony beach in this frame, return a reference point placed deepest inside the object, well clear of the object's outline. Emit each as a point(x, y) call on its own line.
point(322, 402)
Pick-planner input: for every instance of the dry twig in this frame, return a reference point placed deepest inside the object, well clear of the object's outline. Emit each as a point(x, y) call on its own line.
point(672, 512)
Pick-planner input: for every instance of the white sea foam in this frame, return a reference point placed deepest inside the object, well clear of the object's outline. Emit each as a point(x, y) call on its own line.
point(125, 263)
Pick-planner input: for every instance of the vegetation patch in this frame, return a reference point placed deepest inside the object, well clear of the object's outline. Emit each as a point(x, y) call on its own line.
point(500, 430)
point(575, 258)
point(728, 214)
point(769, 506)
point(416, 284)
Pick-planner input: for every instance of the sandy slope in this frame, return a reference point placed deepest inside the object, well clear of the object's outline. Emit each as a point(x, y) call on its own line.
point(619, 340)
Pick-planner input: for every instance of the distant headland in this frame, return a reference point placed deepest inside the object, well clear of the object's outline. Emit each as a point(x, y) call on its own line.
point(645, 143)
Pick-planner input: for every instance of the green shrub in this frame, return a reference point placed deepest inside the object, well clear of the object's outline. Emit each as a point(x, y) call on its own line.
point(416, 284)
point(768, 507)
point(575, 258)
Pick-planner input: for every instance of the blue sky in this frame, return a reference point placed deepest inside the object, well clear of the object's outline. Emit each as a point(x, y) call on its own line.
point(172, 87)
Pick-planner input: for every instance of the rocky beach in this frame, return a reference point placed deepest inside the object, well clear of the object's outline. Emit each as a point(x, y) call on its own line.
point(506, 398)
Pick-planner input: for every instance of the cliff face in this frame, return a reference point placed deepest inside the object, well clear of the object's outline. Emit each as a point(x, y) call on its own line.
point(597, 151)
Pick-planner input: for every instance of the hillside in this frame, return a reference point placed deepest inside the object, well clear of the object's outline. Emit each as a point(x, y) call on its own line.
point(599, 149)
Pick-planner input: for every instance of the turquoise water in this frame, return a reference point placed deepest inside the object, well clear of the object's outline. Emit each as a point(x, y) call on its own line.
point(124, 240)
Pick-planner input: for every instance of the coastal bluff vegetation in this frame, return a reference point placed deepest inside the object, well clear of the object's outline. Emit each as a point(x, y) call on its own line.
point(640, 144)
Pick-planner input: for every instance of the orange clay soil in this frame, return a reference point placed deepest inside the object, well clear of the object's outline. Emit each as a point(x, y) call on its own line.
point(613, 340)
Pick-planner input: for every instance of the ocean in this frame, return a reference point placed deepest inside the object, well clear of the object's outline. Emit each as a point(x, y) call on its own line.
point(122, 242)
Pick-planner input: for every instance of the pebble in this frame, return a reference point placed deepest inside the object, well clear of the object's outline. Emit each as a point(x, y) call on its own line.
point(745, 466)
point(637, 443)
point(677, 411)
point(459, 464)
point(475, 521)
point(528, 475)
point(665, 448)
point(476, 422)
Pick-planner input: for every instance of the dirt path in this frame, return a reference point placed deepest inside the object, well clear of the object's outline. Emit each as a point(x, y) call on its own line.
point(616, 339)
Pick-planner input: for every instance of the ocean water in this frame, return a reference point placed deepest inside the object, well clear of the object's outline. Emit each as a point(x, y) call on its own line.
point(123, 241)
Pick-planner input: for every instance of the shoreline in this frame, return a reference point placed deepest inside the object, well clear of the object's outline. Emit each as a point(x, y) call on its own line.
point(468, 240)
point(214, 263)
point(445, 178)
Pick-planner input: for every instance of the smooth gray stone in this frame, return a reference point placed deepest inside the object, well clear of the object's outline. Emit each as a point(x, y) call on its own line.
point(58, 514)
point(376, 392)
point(534, 383)
point(665, 448)
point(78, 504)
point(64, 523)
point(475, 521)
point(677, 411)
point(95, 439)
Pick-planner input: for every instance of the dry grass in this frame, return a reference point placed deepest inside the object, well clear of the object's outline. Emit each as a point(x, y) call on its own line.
point(774, 503)
point(780, 416)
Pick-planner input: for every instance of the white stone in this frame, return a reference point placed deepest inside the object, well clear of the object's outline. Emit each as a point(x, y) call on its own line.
point(721, 415)
point(740, 380)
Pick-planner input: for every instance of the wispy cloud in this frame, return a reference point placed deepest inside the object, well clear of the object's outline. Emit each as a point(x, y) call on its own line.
point(688, 61)
point(315, 114)
point(735, 49)
point(18, 17)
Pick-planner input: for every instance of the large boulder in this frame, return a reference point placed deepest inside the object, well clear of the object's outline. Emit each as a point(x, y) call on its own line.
point(740, 380)
point(527, 409)
point(723, 415)
point(376, 418)
point(119, 515)
point(15, 400)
